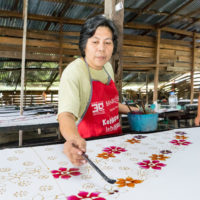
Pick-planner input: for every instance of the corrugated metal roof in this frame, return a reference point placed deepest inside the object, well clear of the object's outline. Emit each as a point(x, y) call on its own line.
point(75, 11)
point(82, 9)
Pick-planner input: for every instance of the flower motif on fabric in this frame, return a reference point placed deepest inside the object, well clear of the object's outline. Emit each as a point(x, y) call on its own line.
point(165, 151)
point(182, 137)
point(140, 137)
point(106, 155)
point(180, 142)
point(65, 173)
point(133, 141)
point(111, 192)
point(114, 149)
point(86, 195)
point(155, 164)
point(158, 157)
point(180, 132)
point(129, 182)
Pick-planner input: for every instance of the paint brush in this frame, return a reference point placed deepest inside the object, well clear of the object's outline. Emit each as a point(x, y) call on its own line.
point(85, 156)
point(128, 106)
point(111, 181)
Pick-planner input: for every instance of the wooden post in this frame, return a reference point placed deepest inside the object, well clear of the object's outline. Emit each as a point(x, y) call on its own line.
point(114, 10)
point(147, 82)
point(192, 69)
point(20, 138)
point(25, 11)
point(61, 49)
point(156, 74)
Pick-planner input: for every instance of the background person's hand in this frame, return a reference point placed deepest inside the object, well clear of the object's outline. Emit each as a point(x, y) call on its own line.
point(74, 148)
point(197, 121)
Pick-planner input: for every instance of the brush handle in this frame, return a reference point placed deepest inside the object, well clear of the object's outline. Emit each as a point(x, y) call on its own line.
point(128, 106)
point(111, 181)
point(98, 170)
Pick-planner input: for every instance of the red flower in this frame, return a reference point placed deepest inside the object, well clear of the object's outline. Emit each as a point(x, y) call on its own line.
point(86, 195)
point(180, 142)
point(155, 164)
point(114, 149)
point(64, 173)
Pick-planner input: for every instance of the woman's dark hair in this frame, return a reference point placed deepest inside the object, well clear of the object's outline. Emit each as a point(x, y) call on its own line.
point(89, 28)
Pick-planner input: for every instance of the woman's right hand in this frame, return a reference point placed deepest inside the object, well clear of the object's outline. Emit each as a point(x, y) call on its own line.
point(74, 148)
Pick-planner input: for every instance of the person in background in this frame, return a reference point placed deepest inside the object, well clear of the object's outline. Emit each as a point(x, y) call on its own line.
point(44, 95)
point(197, 119)
point(88, 98)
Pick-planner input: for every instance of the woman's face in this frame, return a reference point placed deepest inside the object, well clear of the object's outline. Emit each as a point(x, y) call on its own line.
point(99, 48)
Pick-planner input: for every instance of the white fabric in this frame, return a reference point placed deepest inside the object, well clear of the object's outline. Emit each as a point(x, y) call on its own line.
point(10, 120)
point(25, 173)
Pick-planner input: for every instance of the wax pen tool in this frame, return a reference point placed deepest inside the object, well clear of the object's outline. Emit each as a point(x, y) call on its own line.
point(128, 106)
point(111, 181)
point(85, 156)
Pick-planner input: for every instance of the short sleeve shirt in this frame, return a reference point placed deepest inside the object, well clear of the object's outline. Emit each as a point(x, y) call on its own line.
point(75, 86)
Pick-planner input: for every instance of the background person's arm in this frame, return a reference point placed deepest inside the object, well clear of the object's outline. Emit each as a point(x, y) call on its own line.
point(123, 109)
point(197, 119)
point(75, 145)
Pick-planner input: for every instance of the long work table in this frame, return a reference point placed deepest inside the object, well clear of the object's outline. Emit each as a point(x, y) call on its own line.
point(11, 120)
point(156, 166)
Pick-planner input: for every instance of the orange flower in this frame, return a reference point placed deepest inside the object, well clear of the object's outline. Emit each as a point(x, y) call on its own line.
point(133, 141)
point(181, 137)
point(158, 157)
point(105, 155)
point(130, 182)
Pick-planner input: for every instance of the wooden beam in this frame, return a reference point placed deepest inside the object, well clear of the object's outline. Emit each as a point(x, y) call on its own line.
point(147, 91)
point(15, 5)
point(51, 82)
point(47, 35)
point(176, 11)
point(36, 43)
point(61, 49)
point(182, 17)
point(12, 49)
point(62, 12)
point(158, 25)
point(142, 10)
point(28, 69)
point(136, 65)
point(156, 74)
point(192, 69)
point(190, 24)
point(25, 13)
point(133, 10)
point(138, 26)
point(86, 4)
point(178, 31)
point(35, 57)
point(14, 14)
point(114, 10)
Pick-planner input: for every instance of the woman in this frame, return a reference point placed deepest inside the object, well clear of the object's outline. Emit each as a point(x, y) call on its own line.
point(88, 99)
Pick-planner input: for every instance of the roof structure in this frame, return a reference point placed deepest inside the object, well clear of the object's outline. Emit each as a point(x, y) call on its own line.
point(53, 24)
